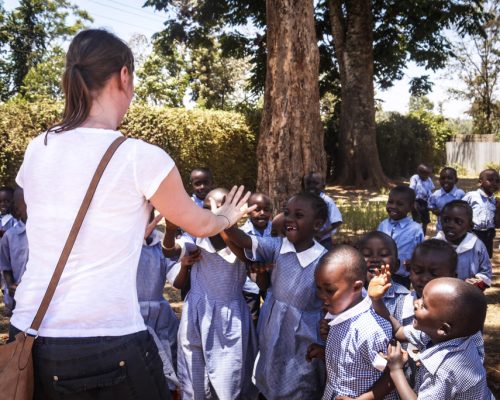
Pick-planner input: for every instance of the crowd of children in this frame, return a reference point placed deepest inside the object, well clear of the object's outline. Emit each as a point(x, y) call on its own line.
point(333, 316)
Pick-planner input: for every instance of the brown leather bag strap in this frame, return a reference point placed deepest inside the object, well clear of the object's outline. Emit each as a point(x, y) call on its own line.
point(37, 321)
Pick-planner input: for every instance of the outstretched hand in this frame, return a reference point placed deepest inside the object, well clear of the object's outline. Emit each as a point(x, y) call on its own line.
point(380, 283)
point(152, 225)
point(396, 357)
point(191, 258)
point(315, 351)
point(234, 207)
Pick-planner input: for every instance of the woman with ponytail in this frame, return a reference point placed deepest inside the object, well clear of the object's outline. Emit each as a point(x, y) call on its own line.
point(93, 343)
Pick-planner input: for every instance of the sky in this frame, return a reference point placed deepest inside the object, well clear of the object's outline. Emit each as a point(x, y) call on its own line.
point(127, 17)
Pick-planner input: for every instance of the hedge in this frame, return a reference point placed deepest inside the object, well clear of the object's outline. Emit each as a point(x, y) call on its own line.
point(219, 140)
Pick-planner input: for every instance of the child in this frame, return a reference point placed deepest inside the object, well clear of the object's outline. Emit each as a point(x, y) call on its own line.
point(450, 313)
point(422, 184)
point(379, 249)
point(315, 183)
point(201, 182)
point(483, 205)
point(357, 334)
point(14, 252)
point(216, 341)
point(258, 224)
point(7, 221)
point(448, 180)
point(473, 265)
point(291, 313)
point(402, 229)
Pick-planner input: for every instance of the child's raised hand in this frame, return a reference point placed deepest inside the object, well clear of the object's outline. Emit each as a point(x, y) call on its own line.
point(234, 207)
point(191, 258)
point(315, 351)
point(380, 283)
point(324, 328)
point(396, 357)
point(152, 225)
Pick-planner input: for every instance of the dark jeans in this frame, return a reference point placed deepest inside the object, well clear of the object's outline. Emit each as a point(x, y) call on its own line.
point(101, 368)
point(253, 302)
point(487, 237)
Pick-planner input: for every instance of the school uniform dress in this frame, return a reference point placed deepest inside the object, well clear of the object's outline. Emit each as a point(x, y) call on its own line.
point(334, 216)
point(160, 319)
point(7, 221)
point(407, 234)
point(13, 256)
point(450, 370)
point(353, 364)
point(483, 216)
point(289, 322)
point(473, 260)
point(440, 198)
point(216, 341)
point(423, 190)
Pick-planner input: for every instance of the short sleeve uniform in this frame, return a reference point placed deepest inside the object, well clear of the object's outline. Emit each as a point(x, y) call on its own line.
point(440, 198)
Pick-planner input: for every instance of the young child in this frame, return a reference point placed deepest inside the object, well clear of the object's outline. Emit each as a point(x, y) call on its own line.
point(447, 318)
point(422, 184)
point(258, 224)
point(14, 252)
point(7, 221)
point(402, 229)
point(216, 341)
point(201, 182)
point(473, 265)
point(291, 313)
point(448, 180)
point(315, 183)
point(357, 334)
point(483, 205)
point(379, 249)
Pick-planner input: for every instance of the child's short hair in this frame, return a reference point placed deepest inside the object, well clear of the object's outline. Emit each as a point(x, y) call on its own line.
point(382, 236)
point(406, 191)
point(452, 170)
point(423, 168)
point(459, 204)
point(434, 246)
point(7, 189)
point(352, 260)
point(317, 203)
point(203, 170)
point(488, 171)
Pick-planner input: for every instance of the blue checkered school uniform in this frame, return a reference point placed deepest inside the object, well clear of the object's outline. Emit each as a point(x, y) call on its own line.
point(399, 302)
point(423, 189)
point(473, 260)
point(334, 215)
point(216, 341)
point(250, 286)
point(7, 221)
point(352, 357)
point(199, 202)
point(483, 209)
point(450, 370)
point(440, 198)
point(289, 322)
point(407, 234)
point(14, 256)
point(158, 315)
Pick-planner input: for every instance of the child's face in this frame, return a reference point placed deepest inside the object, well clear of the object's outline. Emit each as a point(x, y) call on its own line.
point(202, 184)
point(426, 266)
point(300, 222)
point(334, 290)
point(5, 202)
point(423, 173)
point(430, 313)
point(398, 206)
point(262, 214)
point(314, 184)
point(447, 180)
point(489, 182)
point(378, 252)
point(455, 224)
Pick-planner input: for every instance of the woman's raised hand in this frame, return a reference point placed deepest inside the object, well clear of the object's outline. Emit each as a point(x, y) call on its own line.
point(234, 207)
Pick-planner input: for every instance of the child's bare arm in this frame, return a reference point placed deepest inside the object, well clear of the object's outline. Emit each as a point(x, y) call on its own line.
point(10, 283)
point(396, 360)
point(238, 237)
point(377, 288)
point(186, 262)
point(237, 250)
point(261, 274)
point(330, 228)
point(170, 248)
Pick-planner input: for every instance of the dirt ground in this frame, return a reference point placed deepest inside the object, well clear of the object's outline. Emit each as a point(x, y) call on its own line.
point(492, 325)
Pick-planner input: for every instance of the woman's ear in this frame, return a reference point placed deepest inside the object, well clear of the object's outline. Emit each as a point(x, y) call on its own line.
point(125, 77)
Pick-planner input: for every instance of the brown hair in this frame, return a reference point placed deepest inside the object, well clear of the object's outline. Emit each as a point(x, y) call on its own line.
point(94, 55)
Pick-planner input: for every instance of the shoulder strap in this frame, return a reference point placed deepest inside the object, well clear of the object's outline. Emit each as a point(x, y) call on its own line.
point(37, 321)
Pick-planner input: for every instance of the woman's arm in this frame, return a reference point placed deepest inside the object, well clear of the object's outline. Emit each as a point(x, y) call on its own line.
point(172, 201)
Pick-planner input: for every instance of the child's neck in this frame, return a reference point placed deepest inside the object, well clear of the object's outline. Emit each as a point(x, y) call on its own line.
point(487, 193)
point(456, 242)
point(355, 302)
point(218, 242)
point(260, 230)
point(448, 191)
point(303, 245)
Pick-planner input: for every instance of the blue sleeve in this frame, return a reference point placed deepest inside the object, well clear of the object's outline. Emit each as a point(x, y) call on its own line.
point(5, 262)
point(432, 203)
point(484, 264)
point(265, 249)
point(413, 182)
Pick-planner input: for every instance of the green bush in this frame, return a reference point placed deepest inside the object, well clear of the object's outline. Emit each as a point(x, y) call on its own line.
point(219, 140)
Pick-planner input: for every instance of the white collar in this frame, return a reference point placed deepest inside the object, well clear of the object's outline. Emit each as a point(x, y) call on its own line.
point(225, 253)
point(305, 257)
point(483, 194)
point(434, 356)
point(6, 218)
point(359, 308)
point(466, 244)
point(157, 237)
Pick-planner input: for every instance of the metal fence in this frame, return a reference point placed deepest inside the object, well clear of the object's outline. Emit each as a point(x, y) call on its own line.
point(473, 156)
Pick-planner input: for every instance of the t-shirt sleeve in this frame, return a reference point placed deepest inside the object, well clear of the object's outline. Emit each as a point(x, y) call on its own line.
point(151, 167)
point(376, 343)
point(431, 203)
point(415, 337)
point(334, 214)
point(264, 249)
point(437, 387)
point(413, 182)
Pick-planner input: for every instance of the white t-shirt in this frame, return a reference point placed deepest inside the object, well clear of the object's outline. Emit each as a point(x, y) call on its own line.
point(97, 294)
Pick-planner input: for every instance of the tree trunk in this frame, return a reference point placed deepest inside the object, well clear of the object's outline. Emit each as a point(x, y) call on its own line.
point(291, 136)
point(357, 161)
